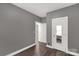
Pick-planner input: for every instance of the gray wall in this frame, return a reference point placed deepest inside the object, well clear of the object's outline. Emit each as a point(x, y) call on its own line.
point(17, 28)
point(73, 22)
point(43, 19)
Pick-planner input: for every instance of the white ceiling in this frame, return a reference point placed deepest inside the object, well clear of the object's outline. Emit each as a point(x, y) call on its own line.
point(41, 9)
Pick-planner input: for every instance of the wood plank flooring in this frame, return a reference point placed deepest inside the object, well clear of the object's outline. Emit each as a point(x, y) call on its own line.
point(41, 50)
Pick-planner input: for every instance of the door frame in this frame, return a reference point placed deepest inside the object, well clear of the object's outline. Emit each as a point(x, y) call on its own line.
point(67, 33)
point(36, 23)
point(43, 27)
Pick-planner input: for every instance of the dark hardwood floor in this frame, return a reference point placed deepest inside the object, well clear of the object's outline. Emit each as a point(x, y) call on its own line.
point(41, 50)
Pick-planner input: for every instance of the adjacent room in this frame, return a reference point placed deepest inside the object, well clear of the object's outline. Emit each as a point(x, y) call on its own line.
point(39, 29)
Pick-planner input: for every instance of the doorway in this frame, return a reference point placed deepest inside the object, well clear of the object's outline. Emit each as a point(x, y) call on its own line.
point(40, 35)
point(40, 32)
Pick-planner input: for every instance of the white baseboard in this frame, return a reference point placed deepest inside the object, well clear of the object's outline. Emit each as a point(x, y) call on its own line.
point(18, 51)
point(72, 53)
point(69, 52)
point(49, 46)
point(43, 41)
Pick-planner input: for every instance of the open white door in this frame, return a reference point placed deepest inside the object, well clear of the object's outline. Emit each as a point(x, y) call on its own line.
point(60, 33)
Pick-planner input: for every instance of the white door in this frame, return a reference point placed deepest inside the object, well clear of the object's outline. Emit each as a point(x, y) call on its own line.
point(60, 33)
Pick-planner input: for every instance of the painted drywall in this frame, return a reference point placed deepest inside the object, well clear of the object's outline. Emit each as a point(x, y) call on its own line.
point(43, 19)
point(73, 25)
point(17, 28)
